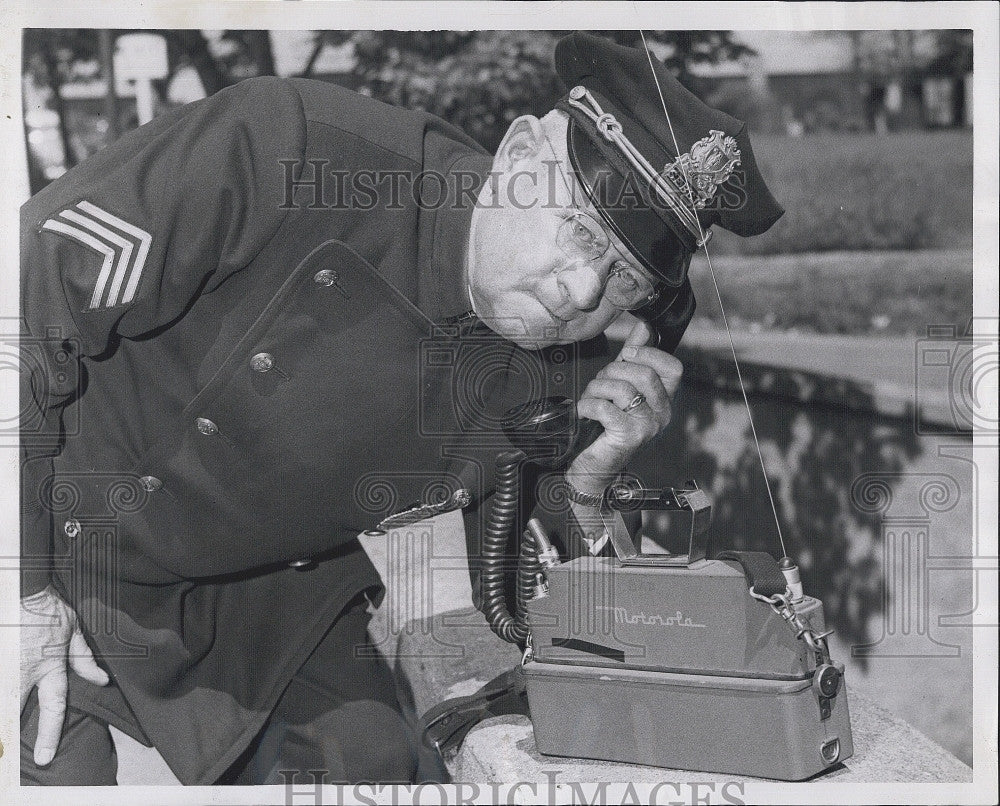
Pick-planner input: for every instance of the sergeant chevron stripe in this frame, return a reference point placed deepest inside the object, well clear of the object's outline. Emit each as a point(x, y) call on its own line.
point(114, 238)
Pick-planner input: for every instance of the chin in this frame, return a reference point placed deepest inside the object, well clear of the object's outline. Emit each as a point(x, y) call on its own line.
point(531, 336)
point(545, 333)
point(540, 341)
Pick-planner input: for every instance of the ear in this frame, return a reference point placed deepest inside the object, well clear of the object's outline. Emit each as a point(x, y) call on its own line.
point(523, 141)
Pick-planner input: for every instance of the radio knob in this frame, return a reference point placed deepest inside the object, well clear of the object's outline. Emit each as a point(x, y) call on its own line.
point(826, 681)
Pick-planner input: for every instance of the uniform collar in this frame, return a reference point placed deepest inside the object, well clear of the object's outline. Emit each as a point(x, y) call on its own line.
point(451, 235)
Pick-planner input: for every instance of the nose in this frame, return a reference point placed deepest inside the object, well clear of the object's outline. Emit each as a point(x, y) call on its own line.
point(582, 284)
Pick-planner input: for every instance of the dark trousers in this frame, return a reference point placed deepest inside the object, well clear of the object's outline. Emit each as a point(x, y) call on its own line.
point(339, 718)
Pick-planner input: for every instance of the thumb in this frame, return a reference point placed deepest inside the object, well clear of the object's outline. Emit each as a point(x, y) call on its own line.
point(81, 660)
point(639, 336)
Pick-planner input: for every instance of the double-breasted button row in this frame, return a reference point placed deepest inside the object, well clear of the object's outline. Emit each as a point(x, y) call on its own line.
point(264, 362)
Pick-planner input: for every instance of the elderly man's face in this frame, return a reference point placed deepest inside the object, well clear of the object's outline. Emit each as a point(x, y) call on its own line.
point(529, 277)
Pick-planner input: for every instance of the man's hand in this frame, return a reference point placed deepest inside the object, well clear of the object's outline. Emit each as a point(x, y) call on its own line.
point(50, 634)
point(638, 369)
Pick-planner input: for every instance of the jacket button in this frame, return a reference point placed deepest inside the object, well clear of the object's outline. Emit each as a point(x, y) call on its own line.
point(150, 483)
point(262, 362)
point(300, 563)
point(207, 427)
point(72, 527)
point(327, 277)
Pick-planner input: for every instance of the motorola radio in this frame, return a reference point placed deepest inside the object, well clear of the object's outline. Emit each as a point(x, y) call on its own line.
point(670, 660)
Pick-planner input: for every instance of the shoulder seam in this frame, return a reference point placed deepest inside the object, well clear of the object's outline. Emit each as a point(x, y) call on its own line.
point(357, 136)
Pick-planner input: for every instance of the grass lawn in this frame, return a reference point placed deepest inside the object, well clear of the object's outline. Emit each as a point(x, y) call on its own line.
point(911, 190)
point(877, 293)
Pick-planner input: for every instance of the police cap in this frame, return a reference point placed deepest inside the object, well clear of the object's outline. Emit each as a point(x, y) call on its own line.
point(660, 166)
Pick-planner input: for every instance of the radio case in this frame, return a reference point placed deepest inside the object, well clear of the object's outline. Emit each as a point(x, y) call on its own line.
point(741, 726)
point(677, 668)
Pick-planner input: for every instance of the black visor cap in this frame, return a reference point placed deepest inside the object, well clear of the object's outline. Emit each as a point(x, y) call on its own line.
point(625, 203)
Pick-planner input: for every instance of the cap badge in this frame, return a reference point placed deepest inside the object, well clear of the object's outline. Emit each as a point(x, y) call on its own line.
point(708, 164)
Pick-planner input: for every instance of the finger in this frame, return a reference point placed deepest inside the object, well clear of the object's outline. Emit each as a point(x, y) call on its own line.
point(604, 411)
point(643, 378)
point(622, 432)
point(640, 335)
point(621, 393)
point(660, 360)
point(81, 659)
point(51, 712)
point(663, 364)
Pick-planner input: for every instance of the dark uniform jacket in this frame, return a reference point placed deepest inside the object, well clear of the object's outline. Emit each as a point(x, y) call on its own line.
point(230, 371)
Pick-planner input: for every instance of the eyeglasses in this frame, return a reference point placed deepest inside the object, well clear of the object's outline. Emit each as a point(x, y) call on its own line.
point(580, 235)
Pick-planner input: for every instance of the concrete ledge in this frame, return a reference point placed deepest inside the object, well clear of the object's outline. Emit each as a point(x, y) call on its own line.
point(453, 654)
point(855, 372)
point(502, 749)
point(896, 376)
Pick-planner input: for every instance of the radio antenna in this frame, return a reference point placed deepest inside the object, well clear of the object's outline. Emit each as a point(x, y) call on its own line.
point(718, 294)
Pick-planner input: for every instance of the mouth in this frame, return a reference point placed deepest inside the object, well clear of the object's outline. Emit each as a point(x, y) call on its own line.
point(562, 312)
point(559, 316)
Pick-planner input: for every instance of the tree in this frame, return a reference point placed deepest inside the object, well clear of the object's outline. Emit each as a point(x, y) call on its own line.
point(953, 57)
point(247, 53)
point(478, 80)
point(192, 46)
point(909, 57)
point(683, 51)
point(55, 57)
point(50, 57)
point(952, 53)
point(481, 81)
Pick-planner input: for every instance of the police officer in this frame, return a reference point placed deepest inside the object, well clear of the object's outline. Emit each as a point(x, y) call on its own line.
point(226, 315)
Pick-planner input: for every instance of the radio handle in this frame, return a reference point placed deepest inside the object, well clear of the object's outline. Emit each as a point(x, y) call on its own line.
point(629, 495)
point(548, 431)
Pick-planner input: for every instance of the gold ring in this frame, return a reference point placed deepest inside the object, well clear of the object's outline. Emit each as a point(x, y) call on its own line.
point(635, 402)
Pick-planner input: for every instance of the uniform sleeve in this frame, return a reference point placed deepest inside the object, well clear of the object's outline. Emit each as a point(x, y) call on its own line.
point(125, 242)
